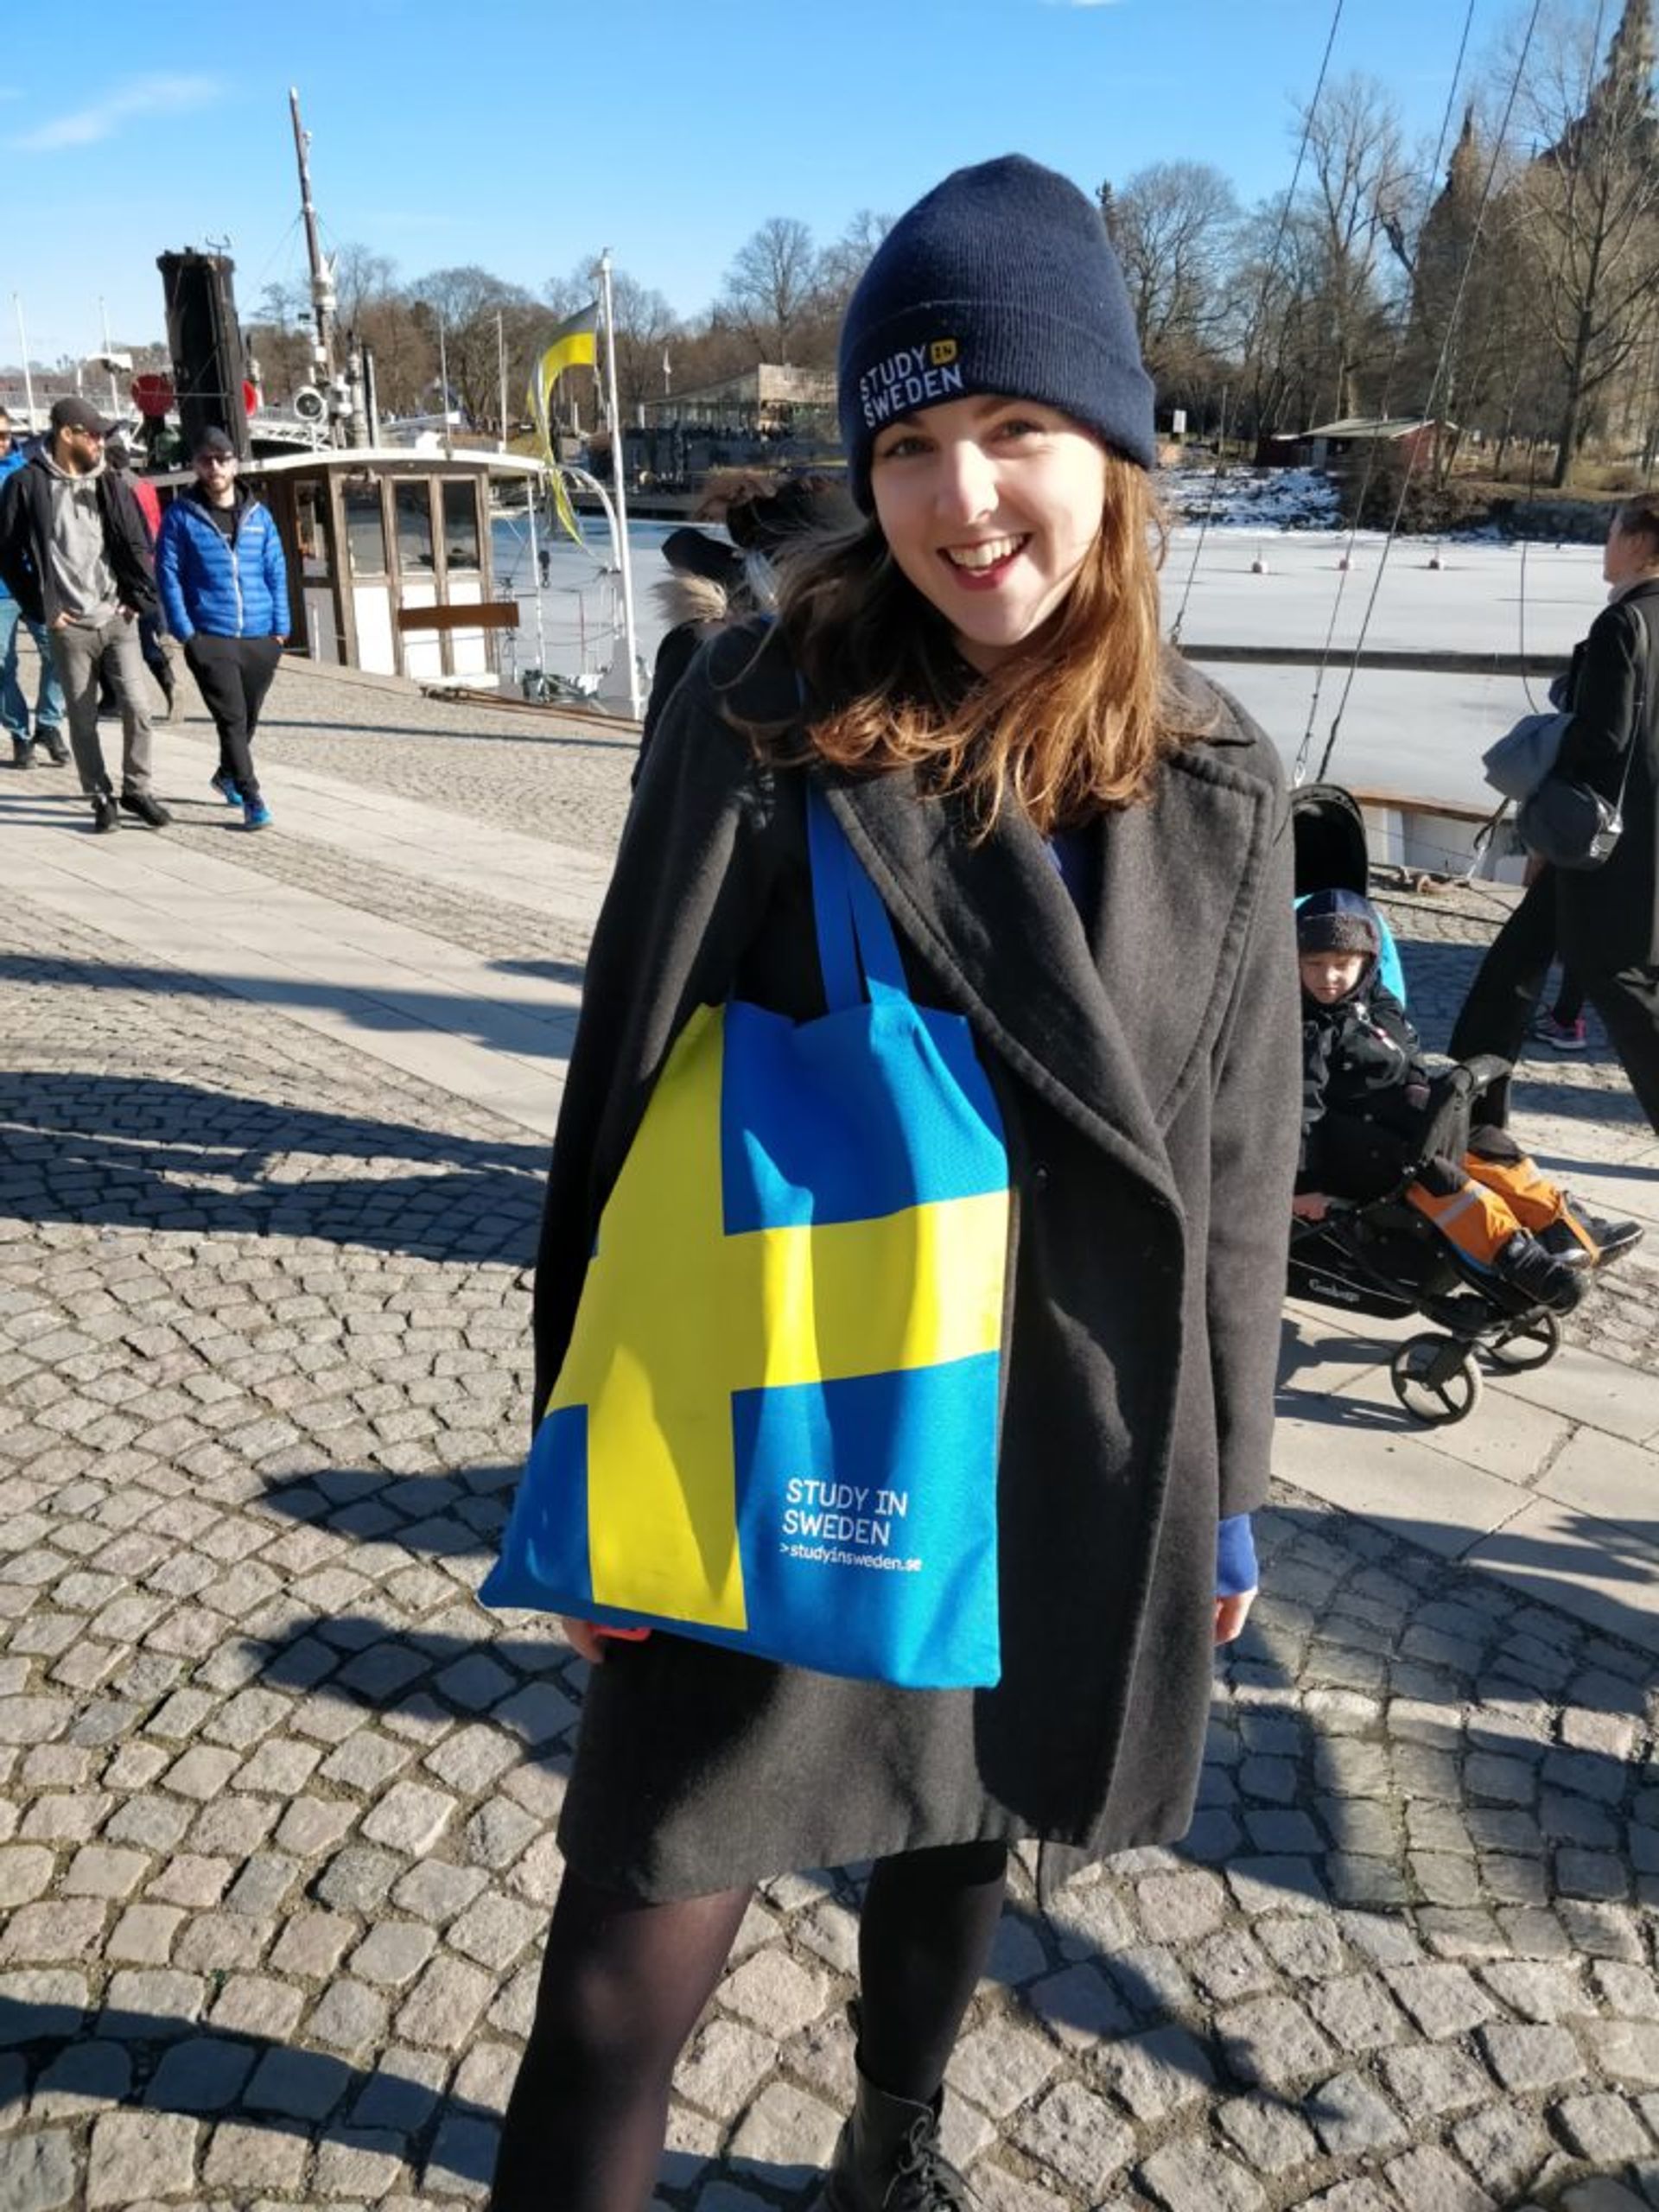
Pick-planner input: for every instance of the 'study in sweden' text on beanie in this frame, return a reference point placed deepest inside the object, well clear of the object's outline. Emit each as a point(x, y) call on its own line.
point(1002, 280)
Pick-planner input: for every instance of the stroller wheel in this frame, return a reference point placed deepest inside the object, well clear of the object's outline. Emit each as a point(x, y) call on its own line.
point(1436, 1379)
point(1531, 1343)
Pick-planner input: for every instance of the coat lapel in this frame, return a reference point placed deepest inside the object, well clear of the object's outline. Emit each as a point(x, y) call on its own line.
point(995, 924)
point(1114, 1013)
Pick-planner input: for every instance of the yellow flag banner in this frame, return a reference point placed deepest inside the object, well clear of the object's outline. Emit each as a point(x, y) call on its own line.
point(574, 345)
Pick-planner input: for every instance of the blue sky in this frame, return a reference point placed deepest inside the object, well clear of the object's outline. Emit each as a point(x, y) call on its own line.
point(527, 139)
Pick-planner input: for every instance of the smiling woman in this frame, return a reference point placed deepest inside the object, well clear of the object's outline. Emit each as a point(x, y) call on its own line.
point(1066, 857)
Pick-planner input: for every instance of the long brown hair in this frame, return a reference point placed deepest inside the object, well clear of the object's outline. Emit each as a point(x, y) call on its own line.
point(1074, 725)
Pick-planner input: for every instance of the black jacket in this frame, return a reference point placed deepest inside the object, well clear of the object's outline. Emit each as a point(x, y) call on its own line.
point(1143, 1053)
point(1609, 917)
point(26, 533)
point(1361, 1059)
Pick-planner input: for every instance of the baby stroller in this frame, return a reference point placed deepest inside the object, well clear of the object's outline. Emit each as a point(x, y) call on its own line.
point(1383, 1257)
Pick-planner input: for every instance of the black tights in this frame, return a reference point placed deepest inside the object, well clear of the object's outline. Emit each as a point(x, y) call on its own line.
point(622, 1986)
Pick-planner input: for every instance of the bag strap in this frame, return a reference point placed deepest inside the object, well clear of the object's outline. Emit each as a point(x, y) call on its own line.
point(857, 950)
point(1639, 719)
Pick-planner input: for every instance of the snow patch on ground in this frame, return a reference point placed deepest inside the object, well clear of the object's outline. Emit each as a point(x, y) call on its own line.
point(1252, 499)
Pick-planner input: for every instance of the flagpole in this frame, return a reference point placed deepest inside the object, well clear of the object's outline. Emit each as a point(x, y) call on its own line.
point(536, 572)
point(29, 381)
point(618, 474)
point(444, 380)
point(501, 357)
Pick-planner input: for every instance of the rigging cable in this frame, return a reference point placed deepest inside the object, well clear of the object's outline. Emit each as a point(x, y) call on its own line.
point(1254, 332)
point(1434, 383)
point(1591, 55)
point(1345, 568)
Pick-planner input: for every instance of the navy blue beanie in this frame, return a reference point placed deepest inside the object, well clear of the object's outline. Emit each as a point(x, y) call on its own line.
point(1002, 280)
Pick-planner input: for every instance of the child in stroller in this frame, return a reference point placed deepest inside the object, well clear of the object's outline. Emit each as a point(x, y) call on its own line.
point(1372, 1125)
point(1384, 1257)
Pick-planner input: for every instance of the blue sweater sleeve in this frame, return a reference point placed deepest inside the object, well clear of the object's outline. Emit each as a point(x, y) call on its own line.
point(1236, 1568)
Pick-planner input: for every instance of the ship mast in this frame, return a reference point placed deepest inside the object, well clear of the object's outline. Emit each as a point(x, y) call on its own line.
point(322, 275)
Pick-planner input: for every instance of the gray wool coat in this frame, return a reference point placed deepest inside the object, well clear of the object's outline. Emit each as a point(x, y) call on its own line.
point(1146, 1059)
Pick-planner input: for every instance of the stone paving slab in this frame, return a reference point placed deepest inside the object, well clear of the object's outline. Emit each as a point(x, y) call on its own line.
point(277, 1797)
point(432, 1009)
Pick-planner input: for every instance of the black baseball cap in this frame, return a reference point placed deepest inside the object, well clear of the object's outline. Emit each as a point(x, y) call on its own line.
point(73, 413)
point(216, 442)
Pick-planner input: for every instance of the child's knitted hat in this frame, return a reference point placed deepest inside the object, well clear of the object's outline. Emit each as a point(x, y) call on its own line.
point(1338, 921)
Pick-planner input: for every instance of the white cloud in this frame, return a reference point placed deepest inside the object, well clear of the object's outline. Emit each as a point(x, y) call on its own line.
point(143, 96)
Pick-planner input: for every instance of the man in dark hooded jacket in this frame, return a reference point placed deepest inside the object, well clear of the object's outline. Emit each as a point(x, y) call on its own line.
point(74, 553)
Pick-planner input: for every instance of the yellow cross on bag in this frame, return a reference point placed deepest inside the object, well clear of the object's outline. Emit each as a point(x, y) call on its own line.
point(678, 1316)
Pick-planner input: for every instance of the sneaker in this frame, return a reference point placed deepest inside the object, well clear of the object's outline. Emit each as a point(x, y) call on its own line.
point(147, 809)
point(1610, 1240)
point(255, 815)
point(50, 737)
point(225, 784)
point(1526, 1265)
point(22, 753)
point(1561, 1036)
point(105, 813)
point(1562, 1242)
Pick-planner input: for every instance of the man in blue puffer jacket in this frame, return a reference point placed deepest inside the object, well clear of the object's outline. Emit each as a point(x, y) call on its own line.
point(224, 587)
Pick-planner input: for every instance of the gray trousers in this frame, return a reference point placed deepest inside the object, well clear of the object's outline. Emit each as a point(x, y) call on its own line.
point(82, 651)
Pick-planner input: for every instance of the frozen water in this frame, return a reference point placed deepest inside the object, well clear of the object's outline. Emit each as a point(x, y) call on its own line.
point(1417, 733)
point(1406, 732)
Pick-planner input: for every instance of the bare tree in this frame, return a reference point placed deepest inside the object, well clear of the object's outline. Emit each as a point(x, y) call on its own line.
point(1589, 205)
point(1359, 176)
point(842, 262)
point(280, 338)
point(361, 277)
point(1174, 225)
point(467, 301)
point(645, 325)
point(771, 287)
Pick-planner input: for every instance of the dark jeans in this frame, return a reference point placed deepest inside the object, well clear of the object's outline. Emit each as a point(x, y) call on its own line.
point(233, 675)
point(1628, 1003)
point(1507, 985)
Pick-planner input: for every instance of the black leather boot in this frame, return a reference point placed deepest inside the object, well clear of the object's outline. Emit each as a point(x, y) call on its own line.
point(888, 2160)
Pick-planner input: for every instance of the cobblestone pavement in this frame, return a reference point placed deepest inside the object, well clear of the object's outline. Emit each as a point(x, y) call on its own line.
point(562, 775)
point(277, 1797)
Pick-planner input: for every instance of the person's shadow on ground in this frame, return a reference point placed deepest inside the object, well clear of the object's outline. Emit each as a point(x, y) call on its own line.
point(134, 1151)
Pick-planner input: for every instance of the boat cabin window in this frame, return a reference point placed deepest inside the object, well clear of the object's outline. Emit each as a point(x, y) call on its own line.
point(311, 534)
point(460, 523)
point(412, 506)
point(366, 528)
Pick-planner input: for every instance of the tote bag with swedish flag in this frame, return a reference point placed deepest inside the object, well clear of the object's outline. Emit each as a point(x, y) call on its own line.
point(775, 1428)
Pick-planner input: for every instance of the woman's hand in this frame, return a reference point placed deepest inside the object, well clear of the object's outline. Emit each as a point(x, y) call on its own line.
point(1309, 1205)
point(1231, 1613)
point(586, 1641)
